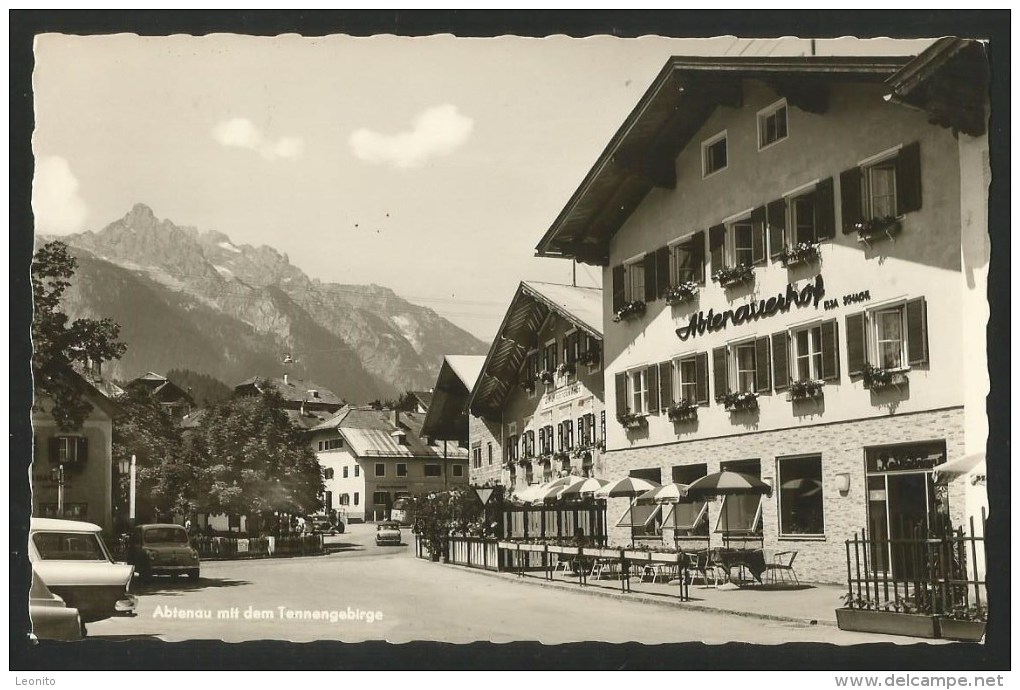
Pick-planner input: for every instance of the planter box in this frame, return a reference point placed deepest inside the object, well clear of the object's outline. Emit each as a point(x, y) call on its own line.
point(538, 548)
point(964, 631)
point(898, 378)
point(637, 555)
point(602, 553)
point(507, 545)
point(887, 623)
point(670, 558)
point(554, 549)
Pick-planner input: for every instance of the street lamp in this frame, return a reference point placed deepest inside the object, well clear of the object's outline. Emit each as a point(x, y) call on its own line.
point(127, 467)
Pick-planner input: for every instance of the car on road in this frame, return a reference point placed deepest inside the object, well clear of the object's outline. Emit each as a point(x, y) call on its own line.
point(75, 564)
point(162, 549)
point(320, 524)
point(387, 532)
point(52, 618)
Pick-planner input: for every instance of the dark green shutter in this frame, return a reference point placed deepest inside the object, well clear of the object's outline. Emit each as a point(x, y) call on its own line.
point(917, 332)
point(665, 384)
point(758, 235)
point(619, 276)
point(781, 360)
point(762, 366)
point(830, 350)
point(581, 438)
point(716, 242)
point(697, 249)
point(777, 226)
point(856, 348)
point(701, 368)
point(82, 455)
point(908, 178)
point(662, 277)
point(720, 377)
point(652, 381)
point(850, 199)
point(825, 210)
point(560, 440)
point(621, 394)
point(650, 279)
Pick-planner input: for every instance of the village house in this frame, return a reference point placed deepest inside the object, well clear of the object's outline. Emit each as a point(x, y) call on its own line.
point(446, 418)
point(176, 401)
point(537, 406)
point(794, 252)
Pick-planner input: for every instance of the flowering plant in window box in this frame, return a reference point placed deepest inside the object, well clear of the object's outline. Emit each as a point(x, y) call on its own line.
point(684, 292)
point(884, 225)
point(566, 368)
point(591, 356)
point(629, 420)
point(683, 411)
point(876, 378)
point(800, 253)
point(547, 377)
point(731, 275)
point(805, 388)
point(524, 462)
point(561, 456)
point(544, 459)
point(629, 310)
point(741, 400)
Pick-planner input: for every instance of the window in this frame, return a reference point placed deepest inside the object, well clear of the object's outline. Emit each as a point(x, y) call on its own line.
point(433, 470)
point(802, 219)
point(810, 353)
point(355, 498)
point(687, 378)
point(638, 391)
point(380, 498)
point(380, 469)
point(689, 517)
point(345, 471)
point(744, 356)
point(886, 185)
point(801, 509)
point(357, 470)
point(879, 189)
point(488, 451)
point(807, 352)
point(741, 514)
point(67, 450)
point(328, 473)
point(476, 456)
point(69, 546)
point(345, 499)
point(644, 519)
point(328, 500)
point(687, 260)
point(401, 469)
point(772, 124)
point(602, 426)
point(713, 155)
point(634, 284)
point(331, 444)
point(572, 347)
point(806, 215)
point(458, 470)
point(888, 337)
point(549, 357)
point(742, 248)
point(742, 367)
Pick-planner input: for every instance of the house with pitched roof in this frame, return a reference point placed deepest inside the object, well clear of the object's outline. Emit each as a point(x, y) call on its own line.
point(537, 406)
point(447, 415)
point(307, 403)
point(171, 397)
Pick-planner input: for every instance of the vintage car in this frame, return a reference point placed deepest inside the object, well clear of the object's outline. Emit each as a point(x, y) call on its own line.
point(162, 549)
point(52, 618)
point(321, 524)
point(73, 561)
point(387, 532)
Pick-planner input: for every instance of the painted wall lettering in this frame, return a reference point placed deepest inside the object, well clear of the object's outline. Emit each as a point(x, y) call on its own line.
point(811, 294)
point(863, 296)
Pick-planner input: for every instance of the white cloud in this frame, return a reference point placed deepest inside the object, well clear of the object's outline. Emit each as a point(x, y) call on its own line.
point(437, 131)
point(55, 202)
point(242, 133)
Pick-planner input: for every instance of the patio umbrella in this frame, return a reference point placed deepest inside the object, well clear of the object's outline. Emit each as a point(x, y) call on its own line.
point(582, 488)
point(528, 494)
point(968, 464)
point(667, 493)
point(728, 483)
point(552, 490)
point(626, 487)
point(808, 485)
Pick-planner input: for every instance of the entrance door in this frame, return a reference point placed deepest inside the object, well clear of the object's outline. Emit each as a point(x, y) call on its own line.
point(899, 514)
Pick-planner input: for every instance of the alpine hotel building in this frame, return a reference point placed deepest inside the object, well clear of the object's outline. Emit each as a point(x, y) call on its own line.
point(793, 253)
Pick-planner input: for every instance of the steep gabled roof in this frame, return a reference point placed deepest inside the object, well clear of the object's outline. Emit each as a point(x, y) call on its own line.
point(372, 433)
point(294, 390)
point(447, 415)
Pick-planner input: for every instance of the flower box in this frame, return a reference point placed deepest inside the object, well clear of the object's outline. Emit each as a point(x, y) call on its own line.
point(683, 411)
point(554, 548)
point(684, 292)
point(878, 228)
point(533, 547)
point(566, 369)
point(629, 310)
point(740, 401)
point(664, 557)
point(633, 555)
point(602, 553)
point(801, 253)
point(547, 377)
point(732, 275)
point(876, 378)
point(805, 389)
point(632, 421)
point(507, 545)
point(886, 622)
point(590, 357)
point(961, 630)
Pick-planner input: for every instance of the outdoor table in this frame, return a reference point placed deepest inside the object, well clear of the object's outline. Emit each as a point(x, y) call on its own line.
point(752, 559)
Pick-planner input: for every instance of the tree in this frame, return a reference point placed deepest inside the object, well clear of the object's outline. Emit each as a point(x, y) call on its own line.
point(258, 461)
point(56, 346)
point(205, 390)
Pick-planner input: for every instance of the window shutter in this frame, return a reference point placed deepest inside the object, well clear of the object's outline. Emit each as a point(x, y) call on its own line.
point(830, 350)
point(721, 377)
point(716, 242)
point(560, 440)
point(917, 332)
point(665, 384)
point(662, 276)
point(582, 438)
point(856, 351)
point(621, 394)
point(776, 212)
point(850, 199)
point(825, 211)
point(908, 178)
point(618, 281)
point(701, 369)
point(541, 439)
point(650, 279)
point(762, 366)
point(697, 248)
point(54, 449)
point(652, 381)
point(758, 235)
point(82, 454)
point(781, 360)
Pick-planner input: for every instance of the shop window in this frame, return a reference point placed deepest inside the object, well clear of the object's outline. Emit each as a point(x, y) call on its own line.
point(772, 124)
point(458, 470)
point(380, 498)
point(644, 519)
point(801, 508)
point(433, 470)
point(688, 517)
point(401, 469)
point(888, 337)
point(380, 469)
point(714, 156)
point(741, 515)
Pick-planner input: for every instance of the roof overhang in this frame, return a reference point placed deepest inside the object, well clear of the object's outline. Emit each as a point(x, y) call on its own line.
point(446, 418)
point(642, 154)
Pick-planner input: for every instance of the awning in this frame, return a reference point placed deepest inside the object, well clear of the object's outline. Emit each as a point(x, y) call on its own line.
point(973, 464)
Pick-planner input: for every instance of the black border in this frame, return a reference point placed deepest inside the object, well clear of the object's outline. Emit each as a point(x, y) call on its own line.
point(141, 655)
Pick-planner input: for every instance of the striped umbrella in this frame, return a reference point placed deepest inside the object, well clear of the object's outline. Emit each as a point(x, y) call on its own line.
point(582, 488)
point(727, 483)
point(667, 493)
point(529, 493)
point(551, 491)
point(628, 486)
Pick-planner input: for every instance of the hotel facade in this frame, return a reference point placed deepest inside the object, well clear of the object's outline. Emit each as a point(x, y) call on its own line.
point(794, 255)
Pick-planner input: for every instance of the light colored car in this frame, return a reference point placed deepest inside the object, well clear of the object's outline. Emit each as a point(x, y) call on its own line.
point(73, 561)
point(321, 524)
point(52, 618)
point(387, 532)
point(162, 549)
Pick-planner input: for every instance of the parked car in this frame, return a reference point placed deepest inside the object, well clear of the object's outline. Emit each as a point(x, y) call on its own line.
point(387, 532)
point(75, 564)
point(52, 618)
point(320, 524)
point(162, 549)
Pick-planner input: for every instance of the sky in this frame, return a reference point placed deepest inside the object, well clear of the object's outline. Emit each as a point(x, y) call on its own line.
point(429, 165)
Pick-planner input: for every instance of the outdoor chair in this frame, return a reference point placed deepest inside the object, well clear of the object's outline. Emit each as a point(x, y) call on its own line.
point(566, 564)
point(601, 566)
point(664, 570)
point(780, 569)
point(700, 562)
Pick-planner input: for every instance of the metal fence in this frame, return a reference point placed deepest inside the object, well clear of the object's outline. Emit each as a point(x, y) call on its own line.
point(561, 522)
point(213, 548)
point(929, 572)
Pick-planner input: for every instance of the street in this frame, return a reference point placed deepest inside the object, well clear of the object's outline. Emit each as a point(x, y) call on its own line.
point(384, 593)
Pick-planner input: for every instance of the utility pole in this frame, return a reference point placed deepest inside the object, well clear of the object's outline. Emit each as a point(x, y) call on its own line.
point(60, 491)
point(573, 274)
point(131, 494)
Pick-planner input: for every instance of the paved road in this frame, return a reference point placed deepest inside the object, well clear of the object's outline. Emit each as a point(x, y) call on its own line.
point(384, 593)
